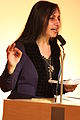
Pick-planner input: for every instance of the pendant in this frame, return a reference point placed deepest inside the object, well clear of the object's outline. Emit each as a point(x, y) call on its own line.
point(51, 69)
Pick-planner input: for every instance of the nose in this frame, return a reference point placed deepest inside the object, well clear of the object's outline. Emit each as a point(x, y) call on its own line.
point(57, 22)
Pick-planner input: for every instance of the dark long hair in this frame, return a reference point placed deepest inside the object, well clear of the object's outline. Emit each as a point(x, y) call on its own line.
point(38, 20)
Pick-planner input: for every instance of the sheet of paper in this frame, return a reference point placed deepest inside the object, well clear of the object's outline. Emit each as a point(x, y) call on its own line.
point(68, 82)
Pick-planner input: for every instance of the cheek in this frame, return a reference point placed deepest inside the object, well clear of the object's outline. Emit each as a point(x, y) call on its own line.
point(60, 25)
point(48, 30)
point(50, 24)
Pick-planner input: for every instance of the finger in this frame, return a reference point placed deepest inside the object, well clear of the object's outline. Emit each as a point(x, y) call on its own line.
point(7, 48)
point(11, 47)
point(17, 52)
point(74, 86)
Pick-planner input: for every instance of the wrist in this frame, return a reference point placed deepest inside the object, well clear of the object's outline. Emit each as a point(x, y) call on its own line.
point(11, 69)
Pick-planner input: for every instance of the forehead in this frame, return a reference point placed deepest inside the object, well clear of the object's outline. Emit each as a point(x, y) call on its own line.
point(56, 12)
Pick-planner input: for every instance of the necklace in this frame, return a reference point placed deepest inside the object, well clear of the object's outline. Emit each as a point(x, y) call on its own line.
point(50, 67)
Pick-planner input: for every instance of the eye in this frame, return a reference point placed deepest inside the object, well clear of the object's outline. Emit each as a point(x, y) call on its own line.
point(54, 18)
point(51, 18)
point(59, 18)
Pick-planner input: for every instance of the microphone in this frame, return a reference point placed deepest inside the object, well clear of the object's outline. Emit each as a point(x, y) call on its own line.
point(61, 39)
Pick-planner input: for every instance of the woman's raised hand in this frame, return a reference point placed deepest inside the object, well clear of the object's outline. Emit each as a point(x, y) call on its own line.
point(13, 57)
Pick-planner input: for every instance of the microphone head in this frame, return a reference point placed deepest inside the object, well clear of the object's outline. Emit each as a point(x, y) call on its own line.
point(61, 39)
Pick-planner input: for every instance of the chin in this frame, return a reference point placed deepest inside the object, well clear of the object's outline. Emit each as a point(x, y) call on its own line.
point(54, 35)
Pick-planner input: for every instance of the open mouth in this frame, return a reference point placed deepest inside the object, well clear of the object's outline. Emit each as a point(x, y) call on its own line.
point(54, 29)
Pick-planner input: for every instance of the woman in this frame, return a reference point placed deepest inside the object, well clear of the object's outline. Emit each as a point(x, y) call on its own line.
point(33, 59)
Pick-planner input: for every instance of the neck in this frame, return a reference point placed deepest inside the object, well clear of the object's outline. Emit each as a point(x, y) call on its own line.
point(44, 47)
point(43, 40)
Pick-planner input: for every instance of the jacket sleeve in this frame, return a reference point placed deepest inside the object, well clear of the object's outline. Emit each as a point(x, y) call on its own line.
point(8, 81)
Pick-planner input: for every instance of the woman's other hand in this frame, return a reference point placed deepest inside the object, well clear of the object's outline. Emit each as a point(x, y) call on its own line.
point(70, 88)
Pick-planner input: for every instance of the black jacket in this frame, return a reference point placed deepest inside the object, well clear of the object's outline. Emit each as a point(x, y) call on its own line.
point(30, 77)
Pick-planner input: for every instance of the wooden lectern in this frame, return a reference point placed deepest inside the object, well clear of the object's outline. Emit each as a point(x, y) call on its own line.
point(37, 109)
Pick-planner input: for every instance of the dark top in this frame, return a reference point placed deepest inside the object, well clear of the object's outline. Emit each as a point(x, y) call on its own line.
point(30, 78)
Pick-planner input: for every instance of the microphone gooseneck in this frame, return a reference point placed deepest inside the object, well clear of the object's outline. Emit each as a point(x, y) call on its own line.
point(61, 39)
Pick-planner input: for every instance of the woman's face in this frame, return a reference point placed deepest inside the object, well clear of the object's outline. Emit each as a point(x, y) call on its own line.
point(53, 24)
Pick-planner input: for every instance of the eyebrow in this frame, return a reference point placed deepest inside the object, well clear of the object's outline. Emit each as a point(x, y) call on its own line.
point(54, 15)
